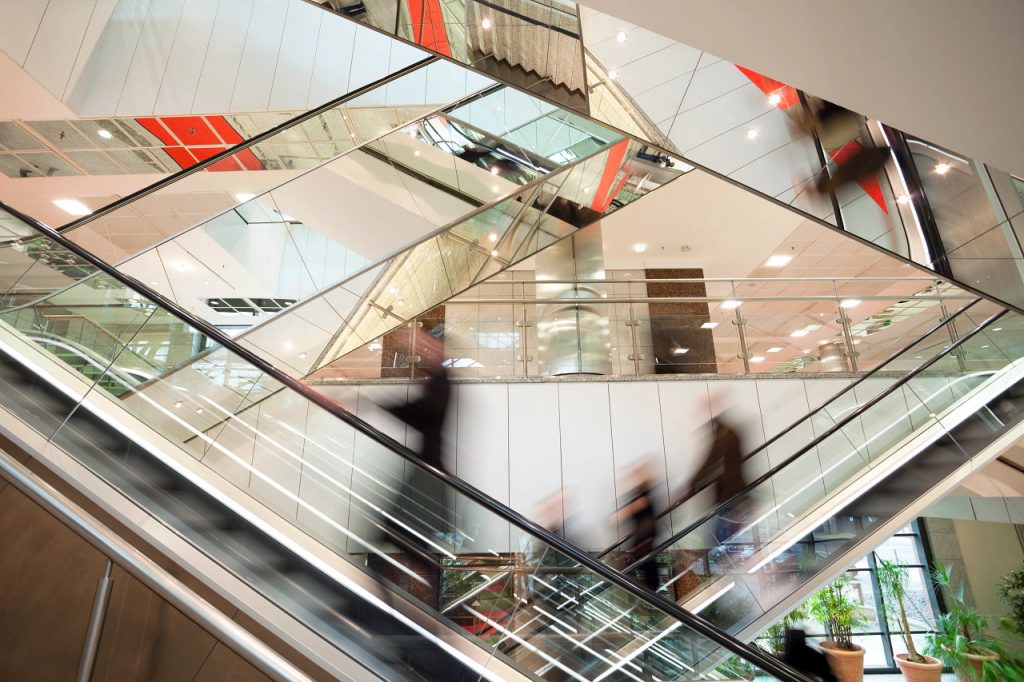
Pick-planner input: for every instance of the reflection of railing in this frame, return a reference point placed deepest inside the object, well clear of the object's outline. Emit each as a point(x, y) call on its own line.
point(711, 333)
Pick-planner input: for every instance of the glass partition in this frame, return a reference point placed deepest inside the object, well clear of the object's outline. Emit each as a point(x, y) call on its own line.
point(277, 455)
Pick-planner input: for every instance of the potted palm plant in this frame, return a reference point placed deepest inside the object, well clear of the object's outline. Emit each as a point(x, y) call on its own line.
point(840, 613)
point(774, 638)
point(958, 640)
point(892, 578)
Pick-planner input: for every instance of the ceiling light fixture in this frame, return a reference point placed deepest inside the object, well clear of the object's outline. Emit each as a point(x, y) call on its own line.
point(774, 349)
point(416, 153)
point(243, 197)
point(709, 325)
point(621, 36)
point(777, 261)
point(493, 236)
point(752, 133)
point(640, 247)
point(849, 303)
point(799, 332)
point(731, 305)
point(774, 99)
point(680, 351)
point(757, 358)
point(942, 168)
point(494, 253)
point(105, 134)
point(486, 23)
point(613, 74)
point(72, 207)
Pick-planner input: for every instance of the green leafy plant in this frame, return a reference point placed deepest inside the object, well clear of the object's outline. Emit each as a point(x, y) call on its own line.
point(773, 640)
point(892, 578)
point(958, 632)
point(1011, 588)
point(838, 612)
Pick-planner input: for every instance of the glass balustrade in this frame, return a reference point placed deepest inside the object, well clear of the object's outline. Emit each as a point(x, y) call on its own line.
point(277, 455)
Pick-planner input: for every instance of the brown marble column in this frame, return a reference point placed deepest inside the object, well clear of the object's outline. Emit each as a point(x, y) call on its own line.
point(680, 345)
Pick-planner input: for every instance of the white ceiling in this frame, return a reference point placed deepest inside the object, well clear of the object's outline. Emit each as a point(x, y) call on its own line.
point(946, 70)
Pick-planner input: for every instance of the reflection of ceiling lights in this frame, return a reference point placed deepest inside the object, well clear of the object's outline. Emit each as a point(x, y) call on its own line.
point(799, 332)
point(613, 74)
point(105, 134)
point(680, 351)
point(757, 358)
point(774, 99)
point(494, 253)
point(493, 236)
point(72, 207)
point(494, 188)
point(640, 247)
point(850, 303)
point(942, 167)
point(752, 133)
point(777, 261)
point(709, 325)
point(903, 199)
point(731, 305)
point(774, 349)
point(494, 170)
point(243, 197)
point(486, 23)
point(621, 36)
point(374, 347)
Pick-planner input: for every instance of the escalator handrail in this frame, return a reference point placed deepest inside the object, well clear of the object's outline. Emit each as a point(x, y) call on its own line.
point(246, 144)
point(764, 446)
point(696, 623)
point(148, 572)
point(763, 478)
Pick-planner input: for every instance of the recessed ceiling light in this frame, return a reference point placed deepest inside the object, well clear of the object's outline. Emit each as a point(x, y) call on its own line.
point(640, 247)
point(486, 23)
point(199, 410)
point(757, 358)
point(493, 236)
point(998, 329)
point(799, 332)
point(416, 153)
point(105, 134)
point(752, 133)
point(494, 253)
point(613, 74)
point(243, 197)
point(400, 301)
point(177, 403)
point(206, 284)
point(621, 36)
point(777, 261)
point(774, 99)
point(302, 356)
point(774, 349)
point(942, 168)
point(731, 305)
point(288, 345)
point(709, 325)
point(850, 303)
point(806, 350)
point(813, 327)
point(680, 351)
point(494, 188)
point(154, 282)
point(72, 207)
point(375, 346)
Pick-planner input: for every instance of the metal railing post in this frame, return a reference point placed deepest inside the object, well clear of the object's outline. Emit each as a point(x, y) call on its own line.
point(95, 630)
point(844, 321)
point(954, 336)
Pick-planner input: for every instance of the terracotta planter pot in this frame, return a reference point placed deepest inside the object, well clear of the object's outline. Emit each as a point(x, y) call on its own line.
point(977, 661)
point(919, 672)
point(848, 666)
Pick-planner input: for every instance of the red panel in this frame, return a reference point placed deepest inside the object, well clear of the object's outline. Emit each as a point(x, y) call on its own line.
point(227, 133)
point(428, 27)
point(769, 86)
point(191, 130)
point(226, 164)
point(604, 195)
point(869, 184)
point(249, 160)
point(181, 156)
point(154, 126)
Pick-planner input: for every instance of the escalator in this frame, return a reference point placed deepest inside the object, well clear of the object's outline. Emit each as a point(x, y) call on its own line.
point(303, 516)
point(855, 470)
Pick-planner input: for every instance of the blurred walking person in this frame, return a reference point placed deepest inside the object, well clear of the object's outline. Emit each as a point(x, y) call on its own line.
point(640, 513)
point(798, 655)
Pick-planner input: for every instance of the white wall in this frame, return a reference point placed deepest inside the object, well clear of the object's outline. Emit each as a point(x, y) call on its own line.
point(137, 57)
point(937, 68)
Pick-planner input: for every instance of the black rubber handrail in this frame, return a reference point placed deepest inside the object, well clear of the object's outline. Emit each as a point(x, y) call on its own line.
point(849, 387)
point(245, 144)
point(699, 625)
point(763, 478)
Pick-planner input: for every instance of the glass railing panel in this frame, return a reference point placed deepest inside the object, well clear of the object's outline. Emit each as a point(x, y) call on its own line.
point(134, 227)
point(368, 504)
point(747, 537)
